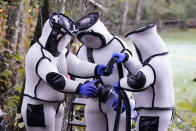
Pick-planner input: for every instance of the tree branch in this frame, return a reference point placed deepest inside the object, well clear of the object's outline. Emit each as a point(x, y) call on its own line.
point(98, 5)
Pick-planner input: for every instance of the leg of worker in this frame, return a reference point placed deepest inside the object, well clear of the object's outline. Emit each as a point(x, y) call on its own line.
point(40, 115)
point(111, 119)
point(59, 117)
point(165, 120)
point(94, 118)
point(153, 120)
point(137, 122)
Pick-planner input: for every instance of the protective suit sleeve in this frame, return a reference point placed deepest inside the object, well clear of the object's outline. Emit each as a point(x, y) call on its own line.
point(79, 68)
point(142, 80)
point(131, 64)
point(48, 72)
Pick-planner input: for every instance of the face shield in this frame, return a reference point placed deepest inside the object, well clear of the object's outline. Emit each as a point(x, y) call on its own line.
point(61, 25)
point(90, 38)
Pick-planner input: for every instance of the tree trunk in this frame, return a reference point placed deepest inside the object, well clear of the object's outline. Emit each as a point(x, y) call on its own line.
point(60, 6)
point(13, 23)
point(124, 20)
point(138, 13)
point(22, 32)
point(42, 17)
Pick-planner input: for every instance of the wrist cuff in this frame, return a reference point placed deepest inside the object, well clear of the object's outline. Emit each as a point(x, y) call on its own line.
point(78, 89)
point(95, 71)
point(126, 58)
point(86, 81)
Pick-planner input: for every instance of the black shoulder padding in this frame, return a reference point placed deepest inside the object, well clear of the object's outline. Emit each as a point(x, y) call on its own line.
point(56, 80)
point(136, 81)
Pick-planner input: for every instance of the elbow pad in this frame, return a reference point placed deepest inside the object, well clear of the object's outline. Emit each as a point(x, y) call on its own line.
point(55, 80)
point(136, 81)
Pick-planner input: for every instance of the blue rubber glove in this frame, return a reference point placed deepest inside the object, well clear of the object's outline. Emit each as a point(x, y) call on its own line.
point(100, 70)
point(115, 106)
point(122, 57)
point(88, 89)
point(116, 88)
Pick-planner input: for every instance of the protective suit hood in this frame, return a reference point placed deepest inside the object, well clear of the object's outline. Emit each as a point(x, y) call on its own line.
point(93, 32)
point(57, 33)
point(147, 41)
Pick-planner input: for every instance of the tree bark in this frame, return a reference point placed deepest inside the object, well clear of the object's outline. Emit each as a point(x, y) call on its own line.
point(13, 23)
point(42, 17)
point(138, 13)
point(60, 6)
point(100, 6)
point(124, 20)
point(22, 31)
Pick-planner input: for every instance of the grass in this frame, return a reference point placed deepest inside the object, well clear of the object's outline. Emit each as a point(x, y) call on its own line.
point(177, 35)
point(183, 59)
point(182, 48)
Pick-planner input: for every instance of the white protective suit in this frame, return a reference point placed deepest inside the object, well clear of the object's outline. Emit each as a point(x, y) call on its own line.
point(152, 82)
point(47, 66)
point(98, 46)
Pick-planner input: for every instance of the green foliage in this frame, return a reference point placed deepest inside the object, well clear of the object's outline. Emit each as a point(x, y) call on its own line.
point(191, 8)
point(6, 73)
point(184, 105)
point(12, 65)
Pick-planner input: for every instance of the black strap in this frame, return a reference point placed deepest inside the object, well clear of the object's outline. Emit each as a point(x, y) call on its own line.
point(154, 108)
point(90, 55)
point(40, 44)
point(122, 96)
point(127, 51)
point(120, 71)
point(155, 55)
point(152, 85)
point(66, 54)
point(146, 62)
point(41, 99)
point(57, 110)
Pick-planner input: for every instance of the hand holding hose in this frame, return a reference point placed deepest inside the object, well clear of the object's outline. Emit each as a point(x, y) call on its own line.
point(115, 106)
point(103, 70)
point(115, 103)
point(88, 89)
point(122, 57)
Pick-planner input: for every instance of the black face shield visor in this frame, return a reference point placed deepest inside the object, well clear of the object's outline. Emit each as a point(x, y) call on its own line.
point(63, 24)
point(60, 25)
point(87, 21)
point(90, 38)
